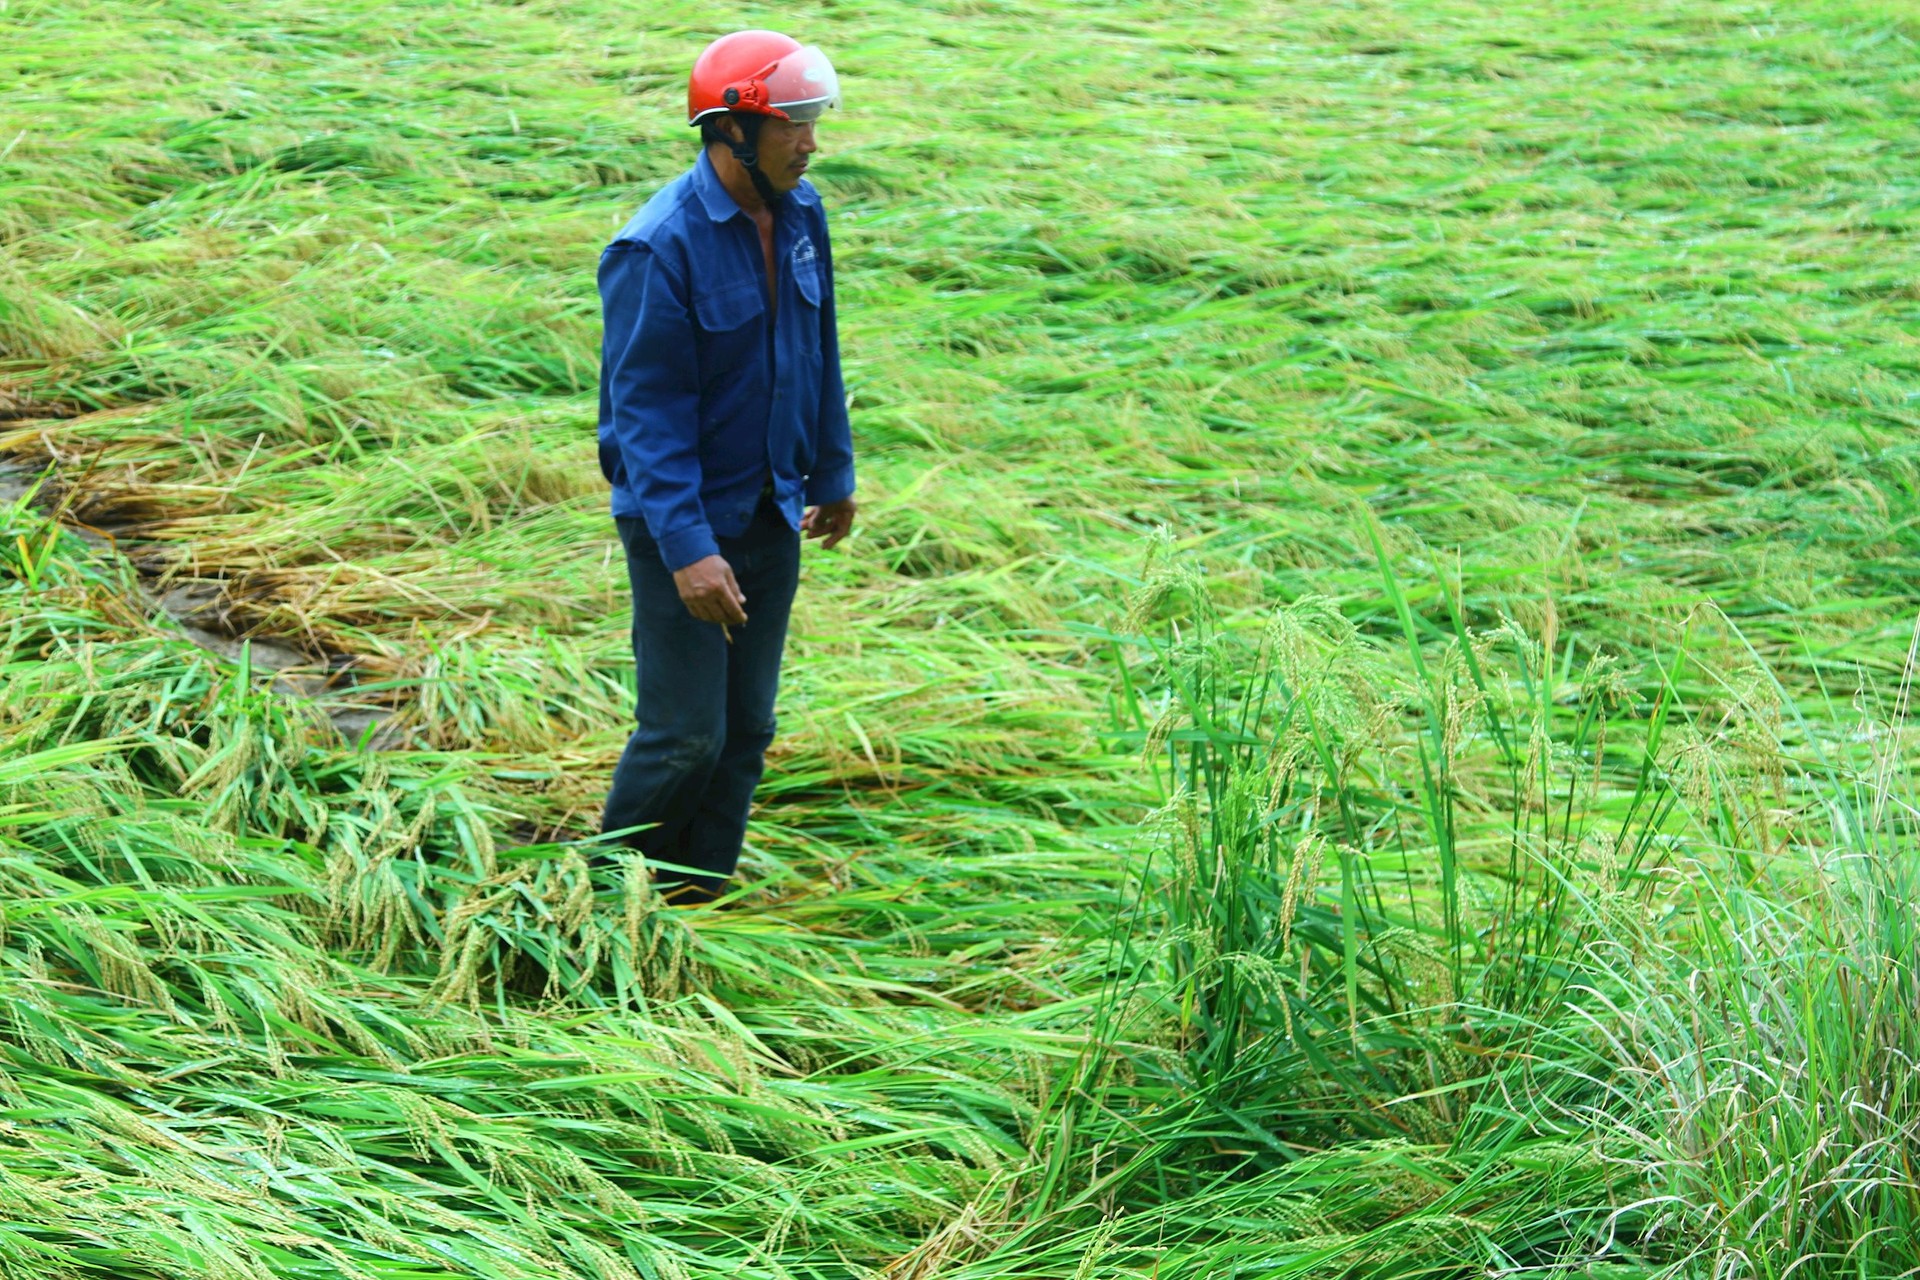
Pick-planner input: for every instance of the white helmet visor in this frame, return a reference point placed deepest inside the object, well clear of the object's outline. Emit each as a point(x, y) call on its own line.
point(803, 84)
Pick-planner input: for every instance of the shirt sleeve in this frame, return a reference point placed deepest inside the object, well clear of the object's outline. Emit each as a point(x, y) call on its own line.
point(832, 476)
point(653, 393)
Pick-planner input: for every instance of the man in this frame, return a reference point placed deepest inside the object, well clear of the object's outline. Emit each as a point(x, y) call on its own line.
point(721, 415)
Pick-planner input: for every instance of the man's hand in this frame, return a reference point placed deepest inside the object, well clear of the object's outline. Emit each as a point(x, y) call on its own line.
point(708, 590)
point(831, 520)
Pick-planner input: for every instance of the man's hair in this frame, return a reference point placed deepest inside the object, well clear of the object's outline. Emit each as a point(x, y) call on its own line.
point(711, 134)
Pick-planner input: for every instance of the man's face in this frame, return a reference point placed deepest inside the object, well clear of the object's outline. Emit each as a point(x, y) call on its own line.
point(785, 148)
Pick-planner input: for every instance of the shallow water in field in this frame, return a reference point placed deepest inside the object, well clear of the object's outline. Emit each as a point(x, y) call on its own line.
point(194, 609)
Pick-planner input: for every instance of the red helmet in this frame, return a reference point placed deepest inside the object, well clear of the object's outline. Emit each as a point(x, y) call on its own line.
point(762, 72)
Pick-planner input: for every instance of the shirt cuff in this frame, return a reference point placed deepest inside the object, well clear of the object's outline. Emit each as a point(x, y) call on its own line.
point(682, 547)
point(830, 486)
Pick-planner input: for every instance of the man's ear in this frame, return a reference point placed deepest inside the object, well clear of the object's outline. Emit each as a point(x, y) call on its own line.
point(731, 127)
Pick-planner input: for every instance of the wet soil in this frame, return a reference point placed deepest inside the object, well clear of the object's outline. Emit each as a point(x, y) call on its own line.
point(196, 609)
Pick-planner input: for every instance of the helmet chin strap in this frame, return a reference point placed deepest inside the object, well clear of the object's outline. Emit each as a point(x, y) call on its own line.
point(747, 152)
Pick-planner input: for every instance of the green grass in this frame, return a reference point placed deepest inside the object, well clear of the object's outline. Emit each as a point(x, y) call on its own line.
point(1365, 730)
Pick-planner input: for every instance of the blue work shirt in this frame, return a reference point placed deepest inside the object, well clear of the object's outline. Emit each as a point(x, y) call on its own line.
point(702, 401)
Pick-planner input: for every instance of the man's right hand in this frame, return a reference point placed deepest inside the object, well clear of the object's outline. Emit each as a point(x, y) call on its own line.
point(708, 590)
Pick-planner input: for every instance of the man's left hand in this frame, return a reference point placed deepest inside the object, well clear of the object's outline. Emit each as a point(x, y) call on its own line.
point(830, 520)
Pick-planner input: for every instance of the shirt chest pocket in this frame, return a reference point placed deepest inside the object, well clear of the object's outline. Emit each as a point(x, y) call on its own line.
point(726, 315)
point(806, 279)
point(723, 307)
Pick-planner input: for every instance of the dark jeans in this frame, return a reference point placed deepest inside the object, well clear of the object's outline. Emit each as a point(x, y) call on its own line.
point(705, 707)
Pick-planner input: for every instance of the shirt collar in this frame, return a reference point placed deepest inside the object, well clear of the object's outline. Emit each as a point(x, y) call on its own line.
point(713, 193)
point(719, 202)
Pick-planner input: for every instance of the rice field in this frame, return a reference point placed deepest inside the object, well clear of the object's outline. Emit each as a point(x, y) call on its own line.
point(1365, 730)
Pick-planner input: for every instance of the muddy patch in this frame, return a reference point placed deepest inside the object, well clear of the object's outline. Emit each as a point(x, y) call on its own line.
point(197, 609)
point(17, 406)
point(16, 482)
